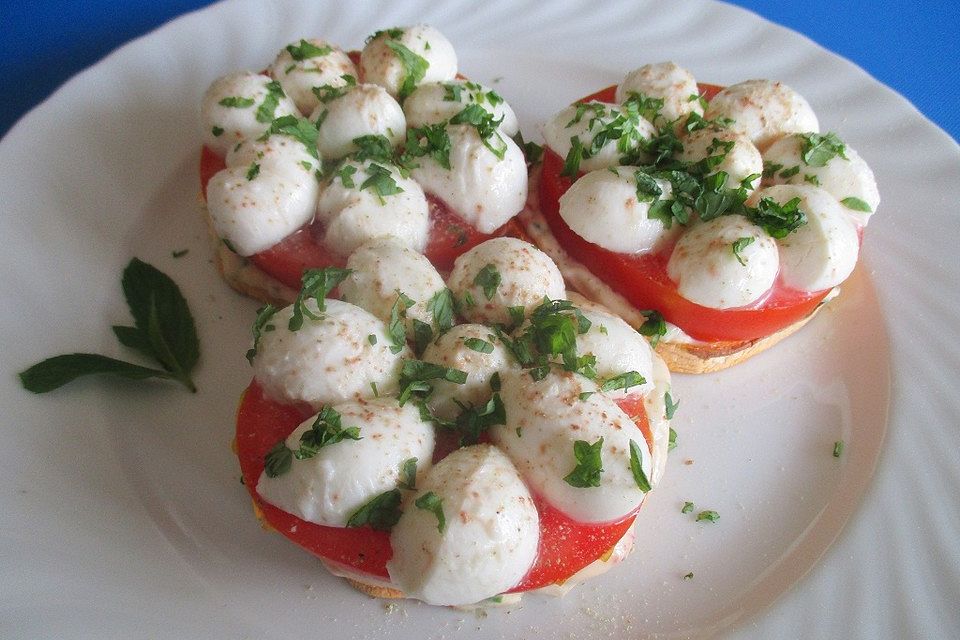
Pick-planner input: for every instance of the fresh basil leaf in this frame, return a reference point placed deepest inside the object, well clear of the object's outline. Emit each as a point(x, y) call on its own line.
point(264, 314)
point(817, 149)
point(654, 327)
point(687, 507)
point(57, 371)
point(147, 291)
point(441, 307)
point(708, 516)
point(270, 102)
point(133, 338)
point(623, 381)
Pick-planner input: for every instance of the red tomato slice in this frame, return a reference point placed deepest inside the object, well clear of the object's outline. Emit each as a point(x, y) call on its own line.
point(643, 279)
point(565, 547)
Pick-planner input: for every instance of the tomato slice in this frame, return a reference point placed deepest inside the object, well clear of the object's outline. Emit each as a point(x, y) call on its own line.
point(643, 279)
point(566, 546)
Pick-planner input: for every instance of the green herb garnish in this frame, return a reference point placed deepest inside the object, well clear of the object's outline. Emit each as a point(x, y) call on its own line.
point(431, 502)
point(589, 465)
point(636, 468)
point(739, 245)
point(381, 513)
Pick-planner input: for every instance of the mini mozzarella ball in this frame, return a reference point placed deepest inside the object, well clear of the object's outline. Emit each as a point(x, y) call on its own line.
point(707, 271)
point(383, 267)
point(353, 215)
point(821, 253)
point(480, 187)
point(328, 360)
point(224, 126)
point(602, 207)
point(439, 101)
point(365, 110)
point(763, 110)
point(489, 537)
point(451, 351)
point(380, 65)
point(527, 275)
point(618, 348)
point(278, 154)
point(317, 64)
point(844, 177)
point(255, 213)
point(545, 418)
point(342, 477)
point(739, 162)
point(565, 125)
point(668, 81)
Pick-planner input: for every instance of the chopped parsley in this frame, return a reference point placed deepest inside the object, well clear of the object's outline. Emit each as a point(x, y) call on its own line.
point(414, 67)
point(739, 245)
point(304, 50)
point(589, 465)
point(441, 308)
point(623, 381)
point(778, 219)
point(325, 431)
point(260, 326)
point(672, 442)
point(315, 284)
point(299, 129)
point(270, 102)
point(485, 124)
point(478, 345)
point(328, 92)
point(380, 181)
point(708, 516)
point(636, 468)
point(670, 409)
point(856, 204)
point(488, 279)
point(414, 374)
point(216, 131)
point(817, 149)
point(253, 171)
point(372, 339)
point(654, 327)
point(687, 507)
point(838, 448)
point(430, 141)
point(431, 502)
point(381, 513)
point(408, 474)
point(396, 327)
point(236, 102)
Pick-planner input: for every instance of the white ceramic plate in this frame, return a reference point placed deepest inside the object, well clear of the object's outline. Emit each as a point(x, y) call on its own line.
point(123, 511)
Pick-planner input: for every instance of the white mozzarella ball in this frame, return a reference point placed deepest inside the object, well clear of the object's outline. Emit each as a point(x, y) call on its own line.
point(603, 207)
point(584, 122)
point(353, 215)
point(618, 348)
point(436, 102)
point(667, 81)
point(278, 154)
point(342, 477)
point(740, 159)
point(480, 187)
point(306, 64)
point(462, 348)
point(491, 531)
point(381, 65)
point(820, 254)
point(328, 360)
point(229, 110)
point(707, 270)
point(846, 176)
point(365, 110)
point(383, 267)
point(544, 420)
point(763, 110)
point(526, 275)
point(255, 213)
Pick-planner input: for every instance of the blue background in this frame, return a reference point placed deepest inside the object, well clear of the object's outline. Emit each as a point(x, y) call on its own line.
point(914, 47)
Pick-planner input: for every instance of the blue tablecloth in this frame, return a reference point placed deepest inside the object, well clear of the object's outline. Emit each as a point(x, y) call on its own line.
point(912, 46)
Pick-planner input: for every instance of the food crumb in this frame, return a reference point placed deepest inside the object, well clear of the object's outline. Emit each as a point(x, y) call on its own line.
point(688, 461)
